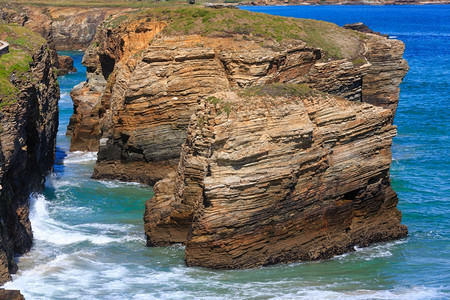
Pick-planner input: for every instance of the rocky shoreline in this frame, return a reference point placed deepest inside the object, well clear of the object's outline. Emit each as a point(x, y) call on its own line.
point(267, 141)
point(146, 101)
point(29, 122)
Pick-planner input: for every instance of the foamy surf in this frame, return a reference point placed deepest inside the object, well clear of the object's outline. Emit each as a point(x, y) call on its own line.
point(49, 230)
point(80, 157)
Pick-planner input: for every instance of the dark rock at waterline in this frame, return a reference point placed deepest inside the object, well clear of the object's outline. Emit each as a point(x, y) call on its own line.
point(361, 27)
point(28, 127)
point(11, 295)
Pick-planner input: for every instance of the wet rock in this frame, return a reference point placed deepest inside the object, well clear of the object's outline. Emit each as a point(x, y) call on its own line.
point(28, 127)
point(11, 295)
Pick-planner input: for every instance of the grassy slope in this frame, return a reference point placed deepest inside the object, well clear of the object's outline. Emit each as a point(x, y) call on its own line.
point(22, 44)
point(335, 41)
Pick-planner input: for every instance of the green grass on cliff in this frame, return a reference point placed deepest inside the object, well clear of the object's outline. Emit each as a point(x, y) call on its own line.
point(279, 90)
point(335, 41)
point(22, 44)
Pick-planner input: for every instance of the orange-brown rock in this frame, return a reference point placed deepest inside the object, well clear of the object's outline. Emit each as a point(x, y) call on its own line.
point(11, 295)
point(262, 178)
point(65, 65)
point(265, 179)
point(144, 84)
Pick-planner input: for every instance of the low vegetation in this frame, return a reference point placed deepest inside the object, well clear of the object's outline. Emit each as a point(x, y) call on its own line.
point(220, 106)
point(15, 64)
point(334, 41)
point(279, 90)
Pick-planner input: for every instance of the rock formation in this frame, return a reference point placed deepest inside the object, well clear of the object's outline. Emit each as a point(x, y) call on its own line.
point(11, 295)
point(266, 179)
point(65, 28)
point(65, 65)
point(264, 176)
point(29, 121)
point(144, 83)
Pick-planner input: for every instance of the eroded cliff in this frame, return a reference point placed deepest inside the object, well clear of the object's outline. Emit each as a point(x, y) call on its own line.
point(29, 120)
point(65, 28)
point(278, 173)
point(264, 176)
point(146, 76)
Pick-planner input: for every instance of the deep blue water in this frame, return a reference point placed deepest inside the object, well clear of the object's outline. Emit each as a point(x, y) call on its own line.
point(89, 241)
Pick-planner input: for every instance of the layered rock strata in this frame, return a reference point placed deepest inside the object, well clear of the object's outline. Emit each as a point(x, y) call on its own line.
point(29, 122)
point(263, 179)
point(144, 84)
point(264, 176)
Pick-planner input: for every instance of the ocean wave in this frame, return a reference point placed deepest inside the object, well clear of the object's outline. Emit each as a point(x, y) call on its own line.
point(372, 252)
point(413, 293)
point(119, 184)
point(80, 157)
point(47, 229)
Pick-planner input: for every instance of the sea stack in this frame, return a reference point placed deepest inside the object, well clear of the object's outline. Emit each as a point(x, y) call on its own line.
point(268, 141)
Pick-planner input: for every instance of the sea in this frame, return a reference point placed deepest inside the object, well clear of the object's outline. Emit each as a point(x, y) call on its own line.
point(88, 234)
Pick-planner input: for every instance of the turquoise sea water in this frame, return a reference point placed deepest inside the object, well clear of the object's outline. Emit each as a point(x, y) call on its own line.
point(89, 241)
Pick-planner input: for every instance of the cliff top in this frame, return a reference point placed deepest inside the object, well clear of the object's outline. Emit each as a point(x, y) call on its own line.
point(95, 3)
point(153, 3)
point(267, 30)
point(23, 43)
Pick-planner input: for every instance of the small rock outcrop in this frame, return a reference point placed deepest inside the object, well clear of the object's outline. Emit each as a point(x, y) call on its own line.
point(4, 48)
point(65, 65)
point(11, 295)
point(28, 127)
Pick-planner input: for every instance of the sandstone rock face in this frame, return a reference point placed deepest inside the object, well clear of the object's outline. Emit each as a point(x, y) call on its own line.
point(144, 112)
point(264, 179)
point(27, 149)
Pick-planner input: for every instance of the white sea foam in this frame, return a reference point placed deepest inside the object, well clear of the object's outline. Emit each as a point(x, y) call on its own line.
point(47, 229)
point(413, 293)
point(80, 157)
point(58, 184)
point(118, 184)
point(106, 227)
point(65, 95)
point(372, 252)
